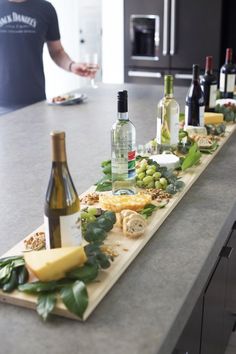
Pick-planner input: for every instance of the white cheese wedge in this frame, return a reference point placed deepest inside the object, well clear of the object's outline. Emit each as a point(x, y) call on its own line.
point(53, 264)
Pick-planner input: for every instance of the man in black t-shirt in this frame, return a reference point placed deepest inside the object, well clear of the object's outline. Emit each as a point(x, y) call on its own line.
point(25, 25)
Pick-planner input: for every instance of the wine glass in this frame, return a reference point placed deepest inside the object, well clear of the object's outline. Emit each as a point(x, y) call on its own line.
point(91, 61)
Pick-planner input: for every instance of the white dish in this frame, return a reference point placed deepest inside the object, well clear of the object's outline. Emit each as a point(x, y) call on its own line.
point(170, 161)
point(222, 101)
point(68, 99)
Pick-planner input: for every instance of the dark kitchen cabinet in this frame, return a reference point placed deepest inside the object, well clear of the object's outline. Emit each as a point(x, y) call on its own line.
point(190, 339)
point(185, 33)
point(213, 318)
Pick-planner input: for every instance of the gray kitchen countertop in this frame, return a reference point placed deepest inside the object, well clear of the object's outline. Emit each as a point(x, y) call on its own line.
point(146, 310)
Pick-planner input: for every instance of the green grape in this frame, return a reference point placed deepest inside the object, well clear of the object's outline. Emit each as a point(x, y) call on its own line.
point(158, 185)
point(91, 218)
point(147, 180)
point(143, 165)
point(84, 215)
point(163, 181)
point(92, 211)
point(151, 185)
point(153, 167)
point(150, 171)
point(141, 175)
point(140, 184)
point(157, 175)
point(139, 170)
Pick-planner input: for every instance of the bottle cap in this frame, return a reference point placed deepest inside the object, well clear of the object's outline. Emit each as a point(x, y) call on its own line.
point(122, 101)
point(58, 146)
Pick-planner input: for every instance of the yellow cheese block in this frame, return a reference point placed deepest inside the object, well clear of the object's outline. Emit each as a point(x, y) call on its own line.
point(213, 118)
point(52, 264)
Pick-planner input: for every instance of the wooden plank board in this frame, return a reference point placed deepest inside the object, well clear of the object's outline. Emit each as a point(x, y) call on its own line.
point(127, 249)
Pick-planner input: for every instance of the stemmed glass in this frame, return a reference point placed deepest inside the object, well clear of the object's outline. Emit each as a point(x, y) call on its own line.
point(91, 61)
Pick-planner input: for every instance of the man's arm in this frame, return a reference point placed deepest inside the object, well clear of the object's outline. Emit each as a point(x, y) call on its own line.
point(62, 59)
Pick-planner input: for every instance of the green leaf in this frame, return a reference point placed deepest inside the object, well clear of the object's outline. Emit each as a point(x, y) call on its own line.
point(104, 186)
point(45, 304)
point(86, 273)
point(5, 271)
point(18, 262)
point(12, 282)
point(38, 286)
point(94, 233)
point(75, 298)
point(192, 157)
point(148, 210)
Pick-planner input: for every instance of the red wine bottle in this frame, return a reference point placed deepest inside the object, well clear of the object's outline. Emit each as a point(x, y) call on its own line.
point(209, 86)
point(194, 104)
point(227, 76)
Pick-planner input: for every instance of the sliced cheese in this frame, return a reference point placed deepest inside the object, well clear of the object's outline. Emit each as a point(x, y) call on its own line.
point(213, 118)
point(53, 264)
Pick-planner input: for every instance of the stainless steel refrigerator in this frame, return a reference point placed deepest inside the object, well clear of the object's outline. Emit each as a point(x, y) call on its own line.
point(168, 36)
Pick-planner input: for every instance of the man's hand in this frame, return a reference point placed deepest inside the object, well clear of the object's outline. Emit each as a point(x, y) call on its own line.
point(62, 59)
point(83, 69)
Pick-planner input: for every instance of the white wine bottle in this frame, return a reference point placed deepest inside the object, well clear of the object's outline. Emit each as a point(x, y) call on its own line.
point(123, 150)
point(62, 206)
point(167, 118)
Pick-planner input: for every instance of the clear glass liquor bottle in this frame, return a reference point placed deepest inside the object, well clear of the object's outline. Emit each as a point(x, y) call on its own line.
point(123, 150)
point(167, 118)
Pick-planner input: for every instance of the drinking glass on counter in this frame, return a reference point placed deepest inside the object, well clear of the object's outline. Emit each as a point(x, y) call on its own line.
point(91, 61)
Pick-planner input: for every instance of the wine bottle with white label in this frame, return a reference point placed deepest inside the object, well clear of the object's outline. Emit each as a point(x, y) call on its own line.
point(209, 86)
point(62, 205)
point(227, 76)
point(194, 103)
point(123, 150)
point(167, 118)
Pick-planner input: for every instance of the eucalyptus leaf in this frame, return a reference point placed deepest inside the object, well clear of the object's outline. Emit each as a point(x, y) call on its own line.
point(45, 304)
point(5, 271)
point(75, 298)
point(86, 273)
point(38, 286)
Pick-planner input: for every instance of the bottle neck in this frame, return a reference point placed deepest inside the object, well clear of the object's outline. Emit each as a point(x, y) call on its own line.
point(123, 116)
point(195, 78)
point(168, 87)
point(58, 150)
point(228, 56)
point(209, 66)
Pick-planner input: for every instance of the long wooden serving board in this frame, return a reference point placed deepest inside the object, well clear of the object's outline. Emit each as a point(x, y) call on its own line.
point(127, 249)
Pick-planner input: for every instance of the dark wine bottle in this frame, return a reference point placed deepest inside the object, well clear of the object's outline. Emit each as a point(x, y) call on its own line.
point(227, 76)
point(209, 86)
point(62, 205)
point(194, 104)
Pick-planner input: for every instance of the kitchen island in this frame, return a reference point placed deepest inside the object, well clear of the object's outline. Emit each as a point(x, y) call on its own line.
point(148, 308)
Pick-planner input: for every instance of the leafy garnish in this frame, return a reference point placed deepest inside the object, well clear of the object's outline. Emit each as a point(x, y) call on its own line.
point(45, 304)
point(192, 158)
point(148, 210)
point(75, 298)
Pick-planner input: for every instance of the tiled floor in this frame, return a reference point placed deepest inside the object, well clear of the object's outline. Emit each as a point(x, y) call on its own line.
point(231, 349)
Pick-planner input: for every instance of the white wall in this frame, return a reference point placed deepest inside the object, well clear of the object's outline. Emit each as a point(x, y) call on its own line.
point(113, 41)
point(59, 81)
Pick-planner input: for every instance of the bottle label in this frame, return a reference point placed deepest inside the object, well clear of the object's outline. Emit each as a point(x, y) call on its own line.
point(131, 163)
point(229, 85)
point(212, 97)
point(174, 129)
point(158, 130)
point(186, 115)
point(201, 116)
point(70, 229)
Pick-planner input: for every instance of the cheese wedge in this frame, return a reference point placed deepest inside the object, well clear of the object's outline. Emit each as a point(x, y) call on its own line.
point(53, 264)
point(213, 118)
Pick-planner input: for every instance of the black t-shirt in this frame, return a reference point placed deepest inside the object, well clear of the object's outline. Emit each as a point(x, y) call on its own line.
point(24, 28)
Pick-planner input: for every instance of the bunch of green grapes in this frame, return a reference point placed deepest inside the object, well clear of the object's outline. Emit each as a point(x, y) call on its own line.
point(88, 215)
point(149, 177)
